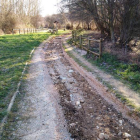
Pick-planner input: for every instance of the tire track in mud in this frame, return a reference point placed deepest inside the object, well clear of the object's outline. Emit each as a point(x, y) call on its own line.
point(88, 115)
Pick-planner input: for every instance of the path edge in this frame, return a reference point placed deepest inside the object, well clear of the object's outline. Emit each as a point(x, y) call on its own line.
point(4, 120)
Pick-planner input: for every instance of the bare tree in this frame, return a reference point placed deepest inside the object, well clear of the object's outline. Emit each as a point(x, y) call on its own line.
point(113, 17)
point(16, 12)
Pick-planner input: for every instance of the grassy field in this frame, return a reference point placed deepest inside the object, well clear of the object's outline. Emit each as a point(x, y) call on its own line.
point(14, 53)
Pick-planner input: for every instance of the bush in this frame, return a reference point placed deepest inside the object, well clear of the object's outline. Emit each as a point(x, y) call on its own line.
point(8, 24)
point(68, 27)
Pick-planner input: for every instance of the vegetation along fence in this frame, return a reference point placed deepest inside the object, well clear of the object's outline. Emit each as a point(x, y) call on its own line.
point(88, 43)
point(26, 31)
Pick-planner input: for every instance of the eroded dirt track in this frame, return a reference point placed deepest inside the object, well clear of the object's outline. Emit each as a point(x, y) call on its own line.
point(88, 115)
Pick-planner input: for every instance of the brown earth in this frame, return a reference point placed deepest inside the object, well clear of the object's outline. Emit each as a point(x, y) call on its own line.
point(88, 115)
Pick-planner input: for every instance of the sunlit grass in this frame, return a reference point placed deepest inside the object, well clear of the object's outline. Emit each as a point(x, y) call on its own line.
point(14, 53)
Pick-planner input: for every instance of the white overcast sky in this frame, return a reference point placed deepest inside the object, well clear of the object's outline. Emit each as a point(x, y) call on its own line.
point(48, 7)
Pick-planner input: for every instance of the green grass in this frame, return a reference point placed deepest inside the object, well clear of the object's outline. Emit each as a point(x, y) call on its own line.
point(14, 53)
point(128, 73)
point(14, 116)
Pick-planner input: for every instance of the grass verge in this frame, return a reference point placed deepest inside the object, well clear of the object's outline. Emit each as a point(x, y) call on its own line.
point(14, 117)
point(14, 53)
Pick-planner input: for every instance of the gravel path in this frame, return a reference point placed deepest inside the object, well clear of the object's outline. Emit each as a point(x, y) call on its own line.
point(40, 106)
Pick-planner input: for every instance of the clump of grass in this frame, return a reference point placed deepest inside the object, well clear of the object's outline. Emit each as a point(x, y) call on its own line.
point(128, 73)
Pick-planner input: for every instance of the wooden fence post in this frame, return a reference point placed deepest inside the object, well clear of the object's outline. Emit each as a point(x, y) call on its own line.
point(100, 48)
point(24, 31)
point(72, 36)
point(88, 44)
point(19, 31)
point(75, 38)
point(81, 41)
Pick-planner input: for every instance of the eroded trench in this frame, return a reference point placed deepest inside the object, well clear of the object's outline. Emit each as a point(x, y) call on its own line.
point(88, 115)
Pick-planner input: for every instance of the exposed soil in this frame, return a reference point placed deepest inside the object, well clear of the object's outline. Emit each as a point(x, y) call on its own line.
point(88, 115)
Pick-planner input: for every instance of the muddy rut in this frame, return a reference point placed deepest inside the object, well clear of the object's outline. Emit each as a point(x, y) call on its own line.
point(88, 115)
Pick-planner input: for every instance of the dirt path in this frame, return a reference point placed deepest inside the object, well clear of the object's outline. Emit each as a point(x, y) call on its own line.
point(88, 115)
point(60, 104)
point(41, 116)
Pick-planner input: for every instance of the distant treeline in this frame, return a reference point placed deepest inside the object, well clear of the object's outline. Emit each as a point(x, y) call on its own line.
point(18, 13)
point(119, 19)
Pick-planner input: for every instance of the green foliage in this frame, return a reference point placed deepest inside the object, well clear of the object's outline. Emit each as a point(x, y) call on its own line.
point(129, 73)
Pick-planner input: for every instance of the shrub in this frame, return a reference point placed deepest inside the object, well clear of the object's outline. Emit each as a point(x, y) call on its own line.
point(68, 26)
point(8, 24)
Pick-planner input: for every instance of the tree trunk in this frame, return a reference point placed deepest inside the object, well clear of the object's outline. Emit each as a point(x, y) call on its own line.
point(112, 35)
